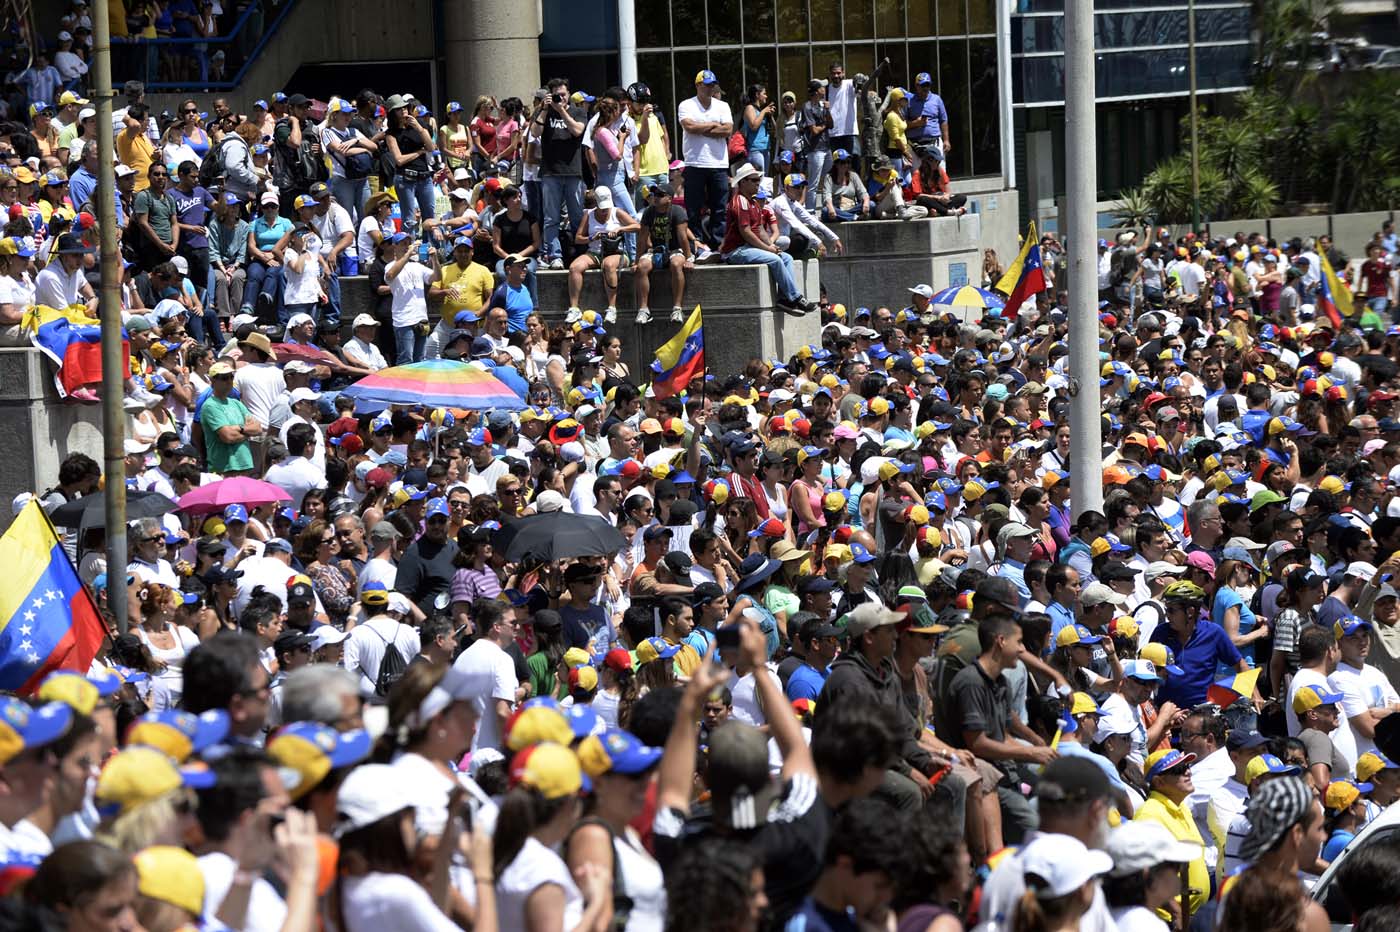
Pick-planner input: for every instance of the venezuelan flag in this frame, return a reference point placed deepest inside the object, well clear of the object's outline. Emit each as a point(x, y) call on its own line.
point(47, 619)
point(73, 341)
point(1232, 689)
point(681, 359)
point(1025, 276)
point(1333, 296)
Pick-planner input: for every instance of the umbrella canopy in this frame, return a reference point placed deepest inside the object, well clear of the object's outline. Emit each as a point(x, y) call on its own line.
point(91, 510)
point(438, 383)
point(969, 296)
point(558, 535)
point(239, 490)
point(312, 354)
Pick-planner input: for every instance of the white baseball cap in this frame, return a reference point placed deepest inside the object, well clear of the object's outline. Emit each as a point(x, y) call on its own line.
point(1137, 845)
point(1057, 865)
point(1159, 568)
point(923, 291)
point(369, 793)
point(326, 635)
point(365, 320)
point(304, 394)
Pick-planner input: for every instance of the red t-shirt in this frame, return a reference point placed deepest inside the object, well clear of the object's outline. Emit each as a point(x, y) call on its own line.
point(740, 213)
point(1377, 276)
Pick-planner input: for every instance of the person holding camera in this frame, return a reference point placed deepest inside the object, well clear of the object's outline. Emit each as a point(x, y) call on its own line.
point(560, 127)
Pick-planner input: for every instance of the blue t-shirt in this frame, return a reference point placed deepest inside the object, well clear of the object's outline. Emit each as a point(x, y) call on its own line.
point(1339, 840)
point(1226, 599)
point(1209, 646)
point(589, 629)
point(813, 917)
point(194, 209)
point(936, 111)
point(517, 302)
point(1060, 617)
point(805, 683)
point(267, 234)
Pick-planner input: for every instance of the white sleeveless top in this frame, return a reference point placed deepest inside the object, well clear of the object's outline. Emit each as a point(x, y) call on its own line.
point(174, 658)
point(644, 883)
point(533, 867)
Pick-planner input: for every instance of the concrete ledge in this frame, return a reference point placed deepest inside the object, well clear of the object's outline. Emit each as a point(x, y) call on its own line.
point(883, 258)
point(879, 239)
point(37, 427)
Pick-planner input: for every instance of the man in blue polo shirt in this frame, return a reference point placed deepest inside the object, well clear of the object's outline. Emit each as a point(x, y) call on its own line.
point(1199, 646)
point(928, 119)
point(820, 643)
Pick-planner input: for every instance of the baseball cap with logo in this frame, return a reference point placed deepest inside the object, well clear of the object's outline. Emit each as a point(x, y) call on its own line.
point(1311, 697)
point(1160, 762)
point(616, 751)
point(313, 750)
point(551, 769)
point(177, 733)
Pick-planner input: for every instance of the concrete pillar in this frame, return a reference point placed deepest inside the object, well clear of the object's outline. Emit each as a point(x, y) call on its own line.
point(492, 47)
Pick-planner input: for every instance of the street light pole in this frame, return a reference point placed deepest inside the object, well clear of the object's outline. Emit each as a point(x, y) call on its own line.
point(114, 364)
point(1195, 154)
point(1081, 195)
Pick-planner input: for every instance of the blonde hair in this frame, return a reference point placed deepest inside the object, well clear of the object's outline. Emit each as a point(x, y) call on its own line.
point(147, 824)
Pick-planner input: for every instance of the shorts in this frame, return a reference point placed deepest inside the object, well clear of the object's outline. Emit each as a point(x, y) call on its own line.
point(596, 260)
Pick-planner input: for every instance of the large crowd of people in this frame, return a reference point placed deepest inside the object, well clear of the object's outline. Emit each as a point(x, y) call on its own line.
point(853, 659)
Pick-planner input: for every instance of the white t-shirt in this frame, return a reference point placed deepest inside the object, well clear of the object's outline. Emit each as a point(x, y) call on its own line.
point(408, 291)
point(1342, 739)
point(705, 151)
point(266, 909)
point(296, 476)
point(391, 903)
point(56, 288)
point(260, 386)
point(843, 108)
point(364, 354)
point(303, 287)
point(331, 226)
point(380, 570)
point(365, 243)
point(1137, 919)
point(532, 868)
point(1362, 690)
point(364, 648)
point(490, 676)
point(17, 291)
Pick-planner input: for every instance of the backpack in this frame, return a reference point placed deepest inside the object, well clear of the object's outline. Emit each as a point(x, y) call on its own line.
point(211, 170)
point(391, 667)
point(738, 147)
point(295, 168)
point(357, 164)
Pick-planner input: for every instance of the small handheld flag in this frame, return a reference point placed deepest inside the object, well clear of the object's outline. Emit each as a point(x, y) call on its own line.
point(680, 359)
point(1025, 276)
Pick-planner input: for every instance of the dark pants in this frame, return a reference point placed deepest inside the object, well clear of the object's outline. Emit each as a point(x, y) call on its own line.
point(1017, 816)
point(948, 803)
point(330, 311)
point(708, 188)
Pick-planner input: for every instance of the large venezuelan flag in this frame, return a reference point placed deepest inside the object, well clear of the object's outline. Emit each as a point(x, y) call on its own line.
point(73, 341)
point(1333, 296)
point(47, 619)
point(1025, 276)
point(681, 359)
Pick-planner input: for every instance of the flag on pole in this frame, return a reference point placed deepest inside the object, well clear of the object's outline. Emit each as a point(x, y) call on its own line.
point(48, 621)
point(1333, 296)
point(681, 359)
point(73, 341)
point(1024, 277)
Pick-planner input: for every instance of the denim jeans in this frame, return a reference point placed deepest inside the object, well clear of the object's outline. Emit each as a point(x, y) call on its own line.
point(261, 281)
point(706, 187)
point(759, 160)
point(531, 280)
point(415, 193)
point(557, 192)
point(409, 345)
point(616, 181)
point(531, 194)
point(818, 164)
point(204, 326)
point(330, 311)
point(779, 263)
point(352, 195)
point(838, 214)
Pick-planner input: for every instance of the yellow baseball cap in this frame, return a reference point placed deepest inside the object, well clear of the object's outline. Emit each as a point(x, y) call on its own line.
point(171, 875)
point(1372, 763)
point(550, 769)
point(139, 775)
point(1343, 793)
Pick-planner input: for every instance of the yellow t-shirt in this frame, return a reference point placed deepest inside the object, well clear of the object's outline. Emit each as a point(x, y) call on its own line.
point(654, 151)
point(894, 132)
point(467, 289)
point(1179, 822)
point(135, 151)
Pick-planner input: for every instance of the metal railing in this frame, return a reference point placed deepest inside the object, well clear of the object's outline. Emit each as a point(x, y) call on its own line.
point(140, 58)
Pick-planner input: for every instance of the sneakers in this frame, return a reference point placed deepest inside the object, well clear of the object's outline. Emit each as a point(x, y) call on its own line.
point(795, 306)
point(610, 315)
point(643, 315)
point(556, 263)
point(677, 315)
point(573, 316)
point(702, 252)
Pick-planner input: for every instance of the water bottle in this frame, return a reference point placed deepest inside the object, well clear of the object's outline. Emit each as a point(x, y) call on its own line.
point(396, 217)
point(423, 253)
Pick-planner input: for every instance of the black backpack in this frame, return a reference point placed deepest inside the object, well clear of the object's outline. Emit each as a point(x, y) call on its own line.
point(211, 170)
point(357, 164)
point(391, 666)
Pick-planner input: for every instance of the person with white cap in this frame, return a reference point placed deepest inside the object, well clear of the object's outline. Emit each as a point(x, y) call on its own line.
point(302, 402)
point(1146, 874)
point(602, 234)
point(360, 349)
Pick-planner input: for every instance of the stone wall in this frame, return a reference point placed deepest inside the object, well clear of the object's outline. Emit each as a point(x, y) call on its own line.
point(37, 428)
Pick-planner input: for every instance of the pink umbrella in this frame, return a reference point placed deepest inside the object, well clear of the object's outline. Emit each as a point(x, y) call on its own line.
point(238, 490)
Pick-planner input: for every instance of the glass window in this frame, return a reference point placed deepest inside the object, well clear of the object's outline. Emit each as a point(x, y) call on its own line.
point(952, 18)
point(792, 20)
point(984, 121)
point(794, 72)
point(654, 26)
point(860, 58)
point(923, 56)
point(860, 17)
point(728, 66)
point(981, 17)
point(761, 67)
point(758, 20)
point(896, 73)
point(687, 23)
point(655, 69)
point(723, 22)
point(687, 64)
point(889, 18)
point(921, 18)
point(825, 20)
point(953, 88)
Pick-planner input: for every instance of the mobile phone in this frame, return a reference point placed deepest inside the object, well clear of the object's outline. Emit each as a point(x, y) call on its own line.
point(727, 637)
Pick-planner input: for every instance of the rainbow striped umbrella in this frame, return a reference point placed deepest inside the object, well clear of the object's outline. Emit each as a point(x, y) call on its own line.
point(436, 383)
point(969, 296)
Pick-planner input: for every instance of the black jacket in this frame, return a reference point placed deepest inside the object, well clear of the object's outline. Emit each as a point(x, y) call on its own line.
point(853, 679)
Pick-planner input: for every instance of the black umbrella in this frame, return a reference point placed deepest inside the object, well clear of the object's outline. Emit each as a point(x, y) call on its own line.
point(91, 510)
point(558, 535)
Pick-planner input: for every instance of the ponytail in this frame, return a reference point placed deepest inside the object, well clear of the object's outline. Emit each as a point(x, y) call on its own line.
point(1029, 916)
point(628, 690)
point(523, 810)
point(1039, 913)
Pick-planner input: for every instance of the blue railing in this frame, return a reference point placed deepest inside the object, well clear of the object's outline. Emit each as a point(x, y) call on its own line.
point(201, 49)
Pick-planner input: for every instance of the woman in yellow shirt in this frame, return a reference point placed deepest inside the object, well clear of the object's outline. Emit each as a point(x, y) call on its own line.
point(896, 142)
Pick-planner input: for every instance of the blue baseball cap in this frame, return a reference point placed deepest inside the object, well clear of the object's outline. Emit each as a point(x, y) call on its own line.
point(479, 437)
point(584, 721)
point(616, 751)
point(786, 156)
point(936, 501)
point(1144, 670)
point(398, 237)
point(260, 103)
point(922, 78)
point(235, 513)
point(23, 727)
point(860, 555)
point(454, 107)
point(1165, 760)
point(179, 734)
point(279, 97)
point(232, 199)
point(706, 76)
point(1349, 625)
point(437, 507)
